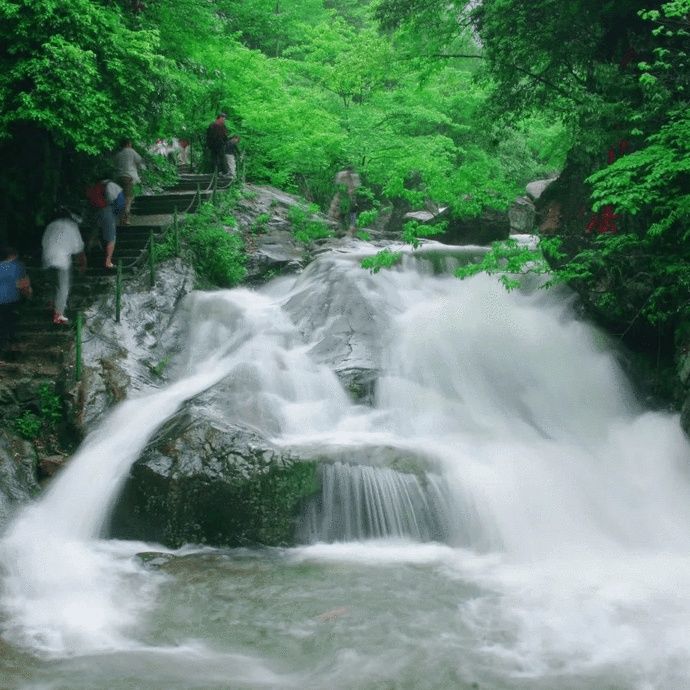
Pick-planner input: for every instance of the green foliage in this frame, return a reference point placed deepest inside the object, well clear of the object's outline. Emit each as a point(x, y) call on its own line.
point(28, 425)
point(50, 405)
point(367, 218)
point(260, 224)
point(383, 259)
point(31, 425)
point(77, 70)
point(160, 172)
point(214, 247)
point(630, 277)
point(508, 259)
point(414, 230)
point(306, 227)
point(159, 368)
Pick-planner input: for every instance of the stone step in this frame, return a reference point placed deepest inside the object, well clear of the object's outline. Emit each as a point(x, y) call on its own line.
point(17, 370)
point(21, 352)
point(61, 336)
point(200, 182)
point(169, 203)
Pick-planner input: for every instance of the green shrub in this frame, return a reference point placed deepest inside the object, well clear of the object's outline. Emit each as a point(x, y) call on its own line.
point(209, 238)
point(305, 226)
point(260, 224)
point(367, 218)
point(28, 425)
point(49, 404)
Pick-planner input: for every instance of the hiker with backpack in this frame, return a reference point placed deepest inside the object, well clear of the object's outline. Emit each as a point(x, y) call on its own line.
point(107, 199)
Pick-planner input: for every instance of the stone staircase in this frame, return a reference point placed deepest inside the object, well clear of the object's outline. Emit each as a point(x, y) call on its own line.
point(41, 348)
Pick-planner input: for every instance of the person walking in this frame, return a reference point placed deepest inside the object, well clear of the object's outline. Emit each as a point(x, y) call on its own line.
point(216, 139)
point(61, 240)
point(232, 154)
point(13, 284)
point(127, 164)
point(108, 200)
point(343, 208)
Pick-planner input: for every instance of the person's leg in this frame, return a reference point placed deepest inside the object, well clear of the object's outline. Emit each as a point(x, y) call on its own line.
point(5, 324)
point(61, 294)
point(108, 230)
point(222, 163)
point(127, 184)
point(109, 249)
point(232, 165)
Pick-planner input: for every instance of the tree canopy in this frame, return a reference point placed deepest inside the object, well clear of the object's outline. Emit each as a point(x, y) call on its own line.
point(310, 85)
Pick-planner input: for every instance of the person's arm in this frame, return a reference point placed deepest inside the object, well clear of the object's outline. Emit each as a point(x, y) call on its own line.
point(24, 284)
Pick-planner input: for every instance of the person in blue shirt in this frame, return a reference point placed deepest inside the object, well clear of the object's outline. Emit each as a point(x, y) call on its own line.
point(13, 284)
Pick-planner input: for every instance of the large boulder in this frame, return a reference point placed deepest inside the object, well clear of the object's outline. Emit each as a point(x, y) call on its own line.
point(203, 481)
point(538, 187)
point(263, 217)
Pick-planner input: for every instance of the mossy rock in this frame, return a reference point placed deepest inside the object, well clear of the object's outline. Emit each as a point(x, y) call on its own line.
point(213, 485)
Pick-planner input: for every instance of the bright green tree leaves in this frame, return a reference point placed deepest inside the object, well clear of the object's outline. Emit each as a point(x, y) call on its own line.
point(76, 69)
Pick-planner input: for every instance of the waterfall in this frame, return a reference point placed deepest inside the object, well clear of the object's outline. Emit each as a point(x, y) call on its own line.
point(360, 502)
point(561, 501)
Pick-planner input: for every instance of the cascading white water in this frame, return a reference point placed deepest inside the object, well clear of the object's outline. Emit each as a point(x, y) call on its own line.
point(360, 502)
point(569, 503)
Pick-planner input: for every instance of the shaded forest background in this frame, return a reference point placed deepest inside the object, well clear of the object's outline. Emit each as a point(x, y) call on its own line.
point(434, 101)
point(310, 86)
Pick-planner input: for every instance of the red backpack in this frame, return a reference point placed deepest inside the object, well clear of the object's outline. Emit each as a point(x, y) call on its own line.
point(96, 195)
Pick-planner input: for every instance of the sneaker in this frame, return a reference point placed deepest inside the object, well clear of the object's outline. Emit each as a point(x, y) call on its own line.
point(60, 320)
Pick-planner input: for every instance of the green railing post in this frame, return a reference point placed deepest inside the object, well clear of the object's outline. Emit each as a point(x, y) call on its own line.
point(176, 234)
point(118, 291)
point(152, 259)
point(77, 346)
point(197, 198)
point(214, 193)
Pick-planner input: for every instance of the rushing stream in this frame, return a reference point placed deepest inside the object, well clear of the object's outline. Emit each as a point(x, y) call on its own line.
point(546, 546)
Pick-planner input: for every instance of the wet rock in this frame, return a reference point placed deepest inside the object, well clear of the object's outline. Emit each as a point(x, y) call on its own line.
point(490, 226)
point(49, 465)
point(341, 312)
point(522, 215)
point(263, 216)
point(155, 559)
point(123, 357)
point(17, 474)
point(360, 384)
point(203, 481)
point(683, 369)
point(538, 187)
